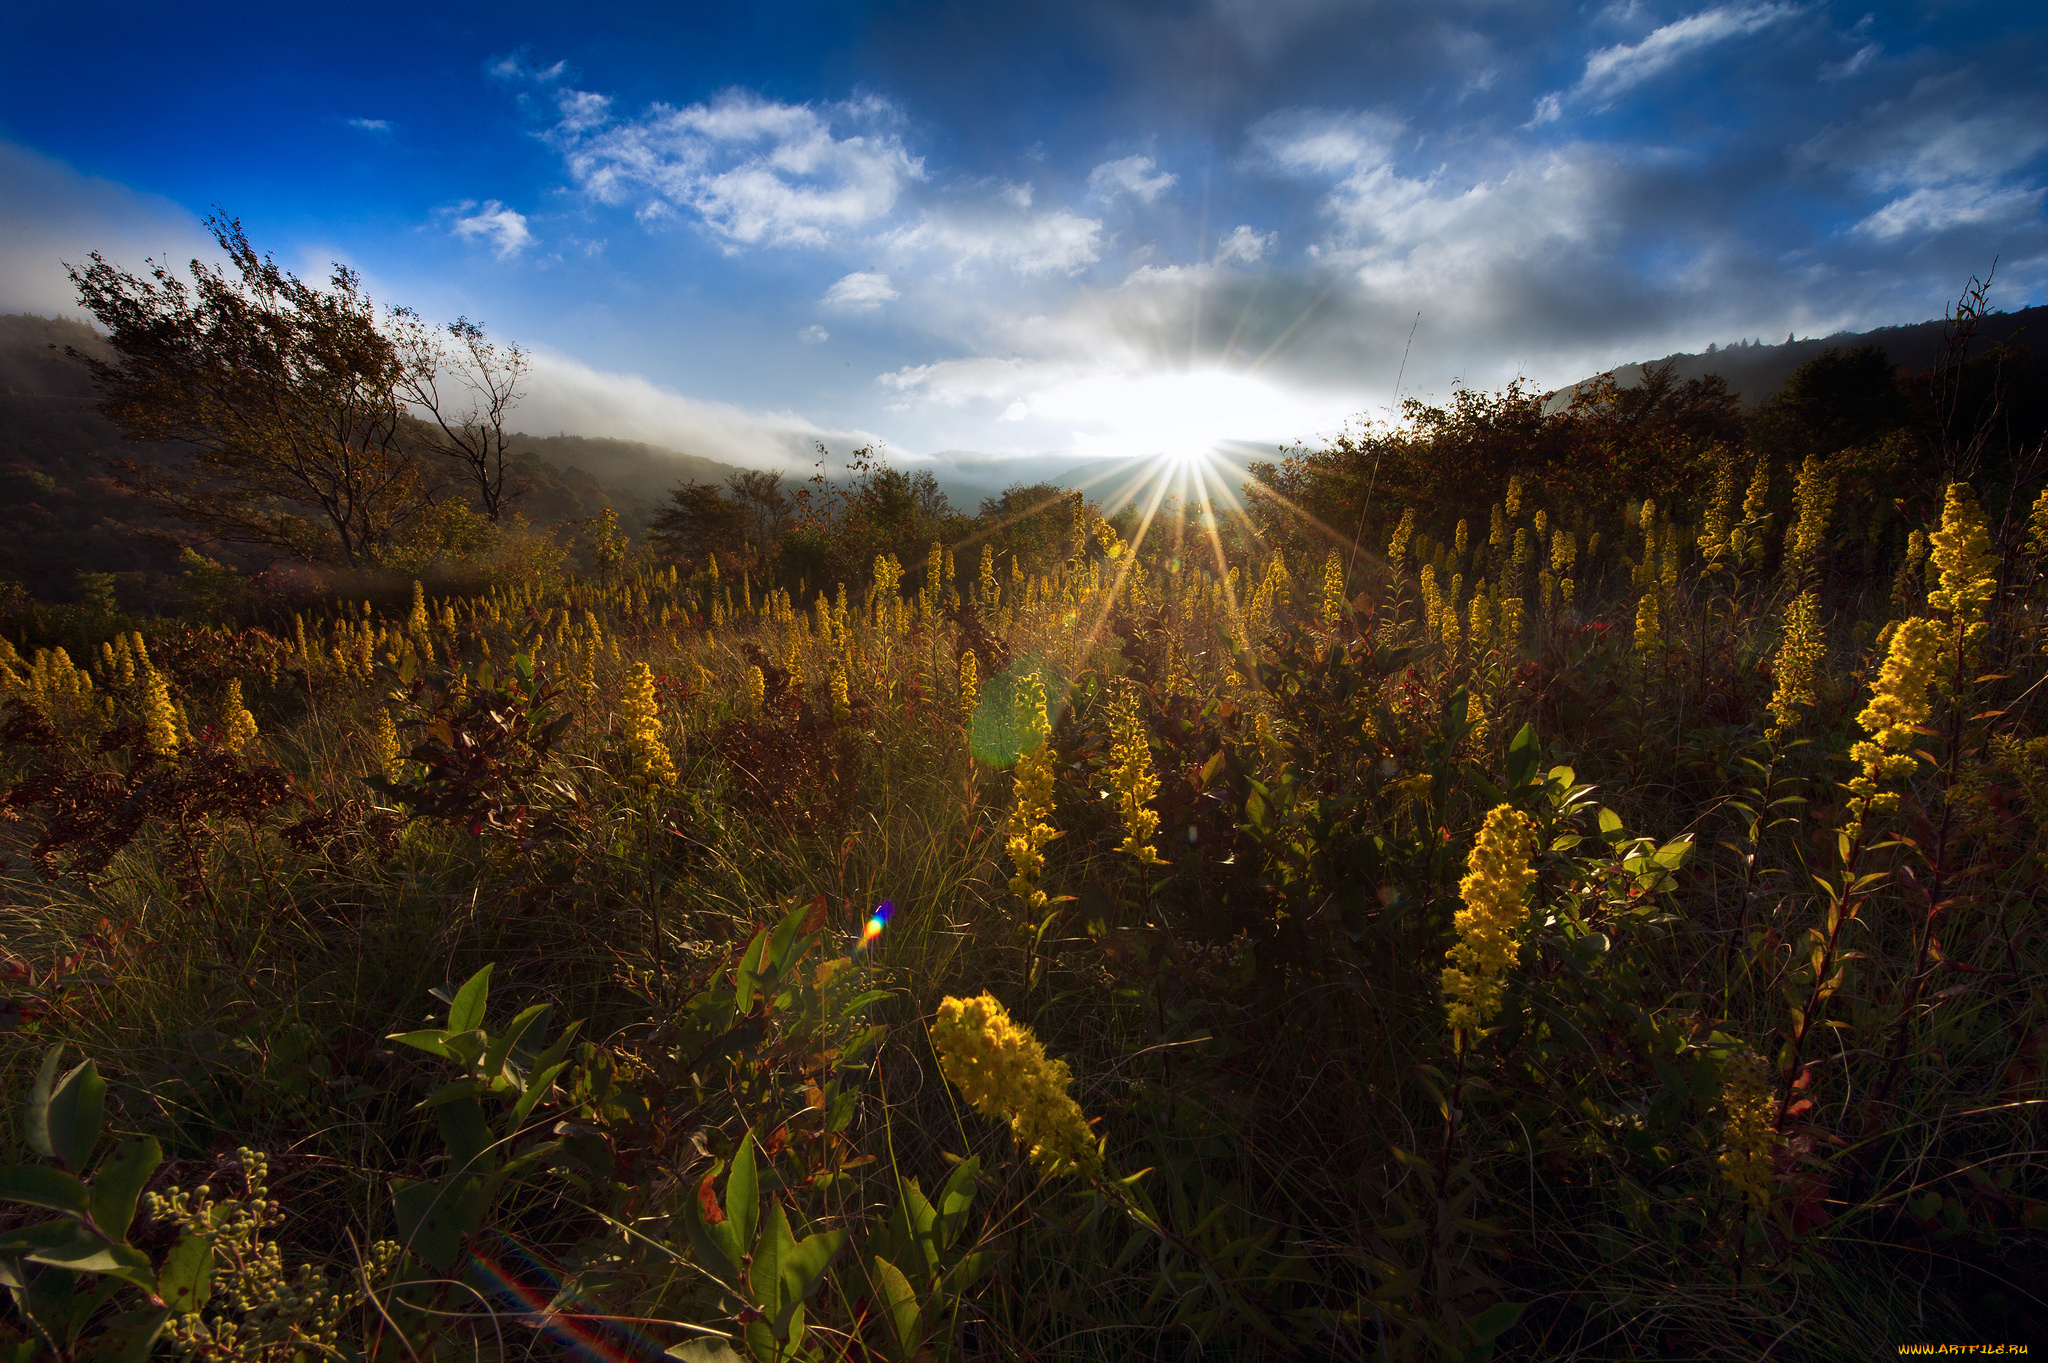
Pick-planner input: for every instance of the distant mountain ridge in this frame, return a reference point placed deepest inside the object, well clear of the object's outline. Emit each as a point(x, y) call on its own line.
point(1755, 372)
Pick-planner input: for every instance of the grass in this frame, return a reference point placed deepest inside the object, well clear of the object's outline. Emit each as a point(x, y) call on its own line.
point(1303, 1159)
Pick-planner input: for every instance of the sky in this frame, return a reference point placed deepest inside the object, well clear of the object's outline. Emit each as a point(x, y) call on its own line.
point(975, 233)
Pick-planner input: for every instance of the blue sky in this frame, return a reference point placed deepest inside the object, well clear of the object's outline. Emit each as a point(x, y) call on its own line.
point(1075, 229)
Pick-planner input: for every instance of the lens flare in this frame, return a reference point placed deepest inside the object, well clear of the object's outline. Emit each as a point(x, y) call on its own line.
point(877, 920)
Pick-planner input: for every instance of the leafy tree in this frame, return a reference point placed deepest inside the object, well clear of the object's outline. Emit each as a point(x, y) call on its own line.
point(1840, 399)
point(285, 398)
point(699, 520)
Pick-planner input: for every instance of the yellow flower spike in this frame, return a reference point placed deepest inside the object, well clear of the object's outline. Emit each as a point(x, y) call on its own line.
point(1967, 568)
point(238, 726)
point(159, 719)
point(842, 700)
point(1397, 547)
point(640, 721)
point(1749, 1096)
point(1800, 651)
point(757, 691)
point(970, 685)
point(1649, 630)
point(390, 758)
point(1003, 1070)
point(1134, 781)
point(1497, 881)
point(1028, 832)
point(1898, 706)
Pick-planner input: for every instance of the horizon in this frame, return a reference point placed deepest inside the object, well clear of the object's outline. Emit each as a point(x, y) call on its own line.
point(1169, 230)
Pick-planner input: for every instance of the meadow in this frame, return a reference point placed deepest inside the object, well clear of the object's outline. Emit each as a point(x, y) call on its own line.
point(1564, 909)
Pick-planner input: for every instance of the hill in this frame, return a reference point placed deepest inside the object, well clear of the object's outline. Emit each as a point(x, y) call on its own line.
point(68, 517)
point(1755, 371)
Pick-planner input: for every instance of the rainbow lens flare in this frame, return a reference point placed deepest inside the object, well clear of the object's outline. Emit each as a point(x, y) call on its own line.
point(877, 920)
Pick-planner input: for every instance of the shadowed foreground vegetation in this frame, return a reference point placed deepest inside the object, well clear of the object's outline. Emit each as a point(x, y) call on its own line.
point(1527, 883)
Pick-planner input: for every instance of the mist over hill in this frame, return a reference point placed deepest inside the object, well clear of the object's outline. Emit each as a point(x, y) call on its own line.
point(1754, 370)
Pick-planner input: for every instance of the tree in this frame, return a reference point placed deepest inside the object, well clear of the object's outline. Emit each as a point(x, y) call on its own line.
point(481, 381)
point(698, 521)
point(1838, 400)
point(285, 397)
point(768, 507)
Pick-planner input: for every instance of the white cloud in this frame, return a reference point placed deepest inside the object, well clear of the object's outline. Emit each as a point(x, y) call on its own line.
point(504, 228)
point(1132, 175)
point(1938, 208)
point(567, 395)
point(1611, 70)
point(1241, 243)
point(814, 335)
point(754, 170)
point(369, 125)
point(1842, 70)
point(50, 214)
point(1549, 109)
point(1947, 153)
point(1056, 242)
point(861, 291)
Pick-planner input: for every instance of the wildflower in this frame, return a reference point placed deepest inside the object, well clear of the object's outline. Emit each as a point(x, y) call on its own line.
point(159, 718)
point(640, 722)
point(1749, 1096)
point(1498, 877)
point(1541, 520)
point(1397, 547)
point(1511, 623)
point(2037, 526)
point(416, 624)
point(1028, 832)
point(1720, 518)
point(1756, 511)
point(1813, 501)
point(1514, 497)
point(238, 725)
point(1333, 583)
point(1649, 631)
point(1460, 540)
point(1907, 584)
point(1003, 1070)
point(842, 700)
point(1967, 567)
point(757, 691)
point(1564, 552)
point(1800, 651)
point(970, 685)
point(390, 759)
point(1898, 706)
point(1134, 781)
point(1497, 532)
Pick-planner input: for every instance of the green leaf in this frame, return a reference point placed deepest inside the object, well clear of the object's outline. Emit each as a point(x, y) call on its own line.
point(710, 1349)
point(922, 1221)
point(134, 1333)
point(41, 1186)
point(502, 1044)
point(434, 1042)
point(118, 1182)
point(717, 1249)
point(466, 1011)
point(956, 1199)
point(124, 1262)
point(803, 1268)
point(771, 1251)
point(433, 1217)
point(899, 1305)
point(186, 1280)
point(743, 1196)
point(537, 1086)
point(1610, 825)
point(1525, 755)
point(747, 976)
point(71, 1118)
point(1491, 1323)
point(471, 1147)
point(39, 1103)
